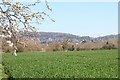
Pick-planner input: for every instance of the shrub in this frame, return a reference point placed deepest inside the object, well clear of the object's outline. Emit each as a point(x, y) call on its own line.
point(20, 48)
point(5, 47)
point(71, 48)
point(55, 47)
point(78, 48)
point(32, 45)
point(109, 46)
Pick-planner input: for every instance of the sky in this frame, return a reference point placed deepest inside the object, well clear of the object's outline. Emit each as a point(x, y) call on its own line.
point(83, 18)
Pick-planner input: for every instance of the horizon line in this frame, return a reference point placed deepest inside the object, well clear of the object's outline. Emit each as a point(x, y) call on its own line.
point(81, 35)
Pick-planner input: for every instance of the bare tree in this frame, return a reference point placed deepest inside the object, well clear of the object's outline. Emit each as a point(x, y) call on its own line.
point(14, 14)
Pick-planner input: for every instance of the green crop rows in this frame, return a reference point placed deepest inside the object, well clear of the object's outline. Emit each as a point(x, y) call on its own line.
point(82, 64)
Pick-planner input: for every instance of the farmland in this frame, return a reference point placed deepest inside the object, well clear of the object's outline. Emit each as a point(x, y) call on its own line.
point(76, 64)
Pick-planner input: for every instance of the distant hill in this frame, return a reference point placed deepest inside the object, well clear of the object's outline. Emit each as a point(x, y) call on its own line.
point(107, 37)
point(51, 37)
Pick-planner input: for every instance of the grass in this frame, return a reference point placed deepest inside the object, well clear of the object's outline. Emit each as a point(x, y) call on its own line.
point(2, 74)
point(83, 64)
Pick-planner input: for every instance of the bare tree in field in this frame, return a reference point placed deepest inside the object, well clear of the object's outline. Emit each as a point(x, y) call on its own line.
point(17, 17)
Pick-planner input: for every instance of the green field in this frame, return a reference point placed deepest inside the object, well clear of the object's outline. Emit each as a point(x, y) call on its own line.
point(82, 64)
point(2, 74)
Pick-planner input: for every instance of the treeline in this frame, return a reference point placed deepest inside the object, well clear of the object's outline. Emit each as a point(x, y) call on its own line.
point(30, 46)
point(69, 46)
point(66, 45)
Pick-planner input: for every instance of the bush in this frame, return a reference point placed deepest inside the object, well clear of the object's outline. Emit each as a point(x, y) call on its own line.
point(5, 47)
point(20, 48)
point(55, 47)
point(109, 46)
point(78, 48)
point(31, 45)
point(71, 48)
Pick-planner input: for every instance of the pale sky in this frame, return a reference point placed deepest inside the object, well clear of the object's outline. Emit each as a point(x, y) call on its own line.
point(67, 0)
point(83, 18)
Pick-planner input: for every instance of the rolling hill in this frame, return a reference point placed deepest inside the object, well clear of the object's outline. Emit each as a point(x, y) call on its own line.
point(51, 37)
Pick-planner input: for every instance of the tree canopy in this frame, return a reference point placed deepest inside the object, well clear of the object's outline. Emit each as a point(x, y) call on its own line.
point(17, 17)
point(13, 14)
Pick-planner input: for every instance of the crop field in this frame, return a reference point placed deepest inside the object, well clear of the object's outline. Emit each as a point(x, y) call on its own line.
point(81, 64)
point(2, 74)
